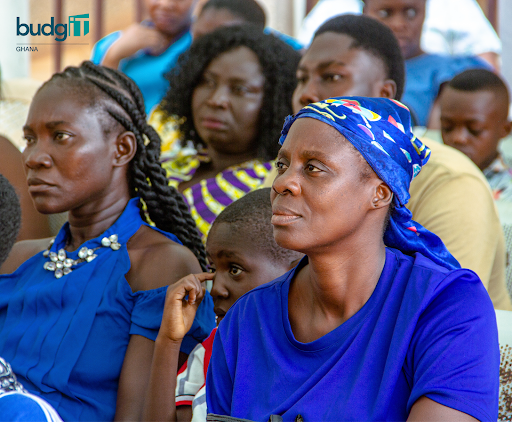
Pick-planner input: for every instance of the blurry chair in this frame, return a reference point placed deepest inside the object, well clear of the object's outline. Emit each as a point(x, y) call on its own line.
point(504, 319)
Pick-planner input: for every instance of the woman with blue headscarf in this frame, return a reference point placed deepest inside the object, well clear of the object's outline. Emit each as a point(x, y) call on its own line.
point(378, 321)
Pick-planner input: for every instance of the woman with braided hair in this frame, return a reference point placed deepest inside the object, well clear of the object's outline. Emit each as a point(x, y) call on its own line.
point(228, 98)
point(79, 314)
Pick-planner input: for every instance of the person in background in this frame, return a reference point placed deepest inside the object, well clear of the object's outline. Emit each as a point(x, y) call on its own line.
point(357, 55)
point(452, 27)
point(426, 73)
point(474, 118)
point(236, 267)
point(216, 13)
point(231, 91)
point(146, 51)
point(34, 225)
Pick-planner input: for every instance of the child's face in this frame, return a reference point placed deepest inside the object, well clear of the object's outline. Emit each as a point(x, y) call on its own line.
point(474, 123)
point(238, 266)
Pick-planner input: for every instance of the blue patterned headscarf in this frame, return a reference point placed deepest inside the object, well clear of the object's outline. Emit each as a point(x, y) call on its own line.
point(380, 129)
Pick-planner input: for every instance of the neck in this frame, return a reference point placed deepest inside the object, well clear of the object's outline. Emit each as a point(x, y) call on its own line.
point(221, 161)
point(414, 52)
point(338, 282)
point(489, 161)
point(91, 220)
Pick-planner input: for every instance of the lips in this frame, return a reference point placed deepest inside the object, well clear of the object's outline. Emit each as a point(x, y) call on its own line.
point(37, 185)
point(283, 216)
point(220, 313)
point(213, 123)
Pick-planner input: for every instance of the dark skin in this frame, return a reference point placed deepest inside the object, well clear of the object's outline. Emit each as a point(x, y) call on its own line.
point(168, 20)
point(319, 181)
point(236, 267)
point(211, 19)
point(331, 67)
point(34, 225)
point(226, 106)
point(474, 123)
point(73, 166)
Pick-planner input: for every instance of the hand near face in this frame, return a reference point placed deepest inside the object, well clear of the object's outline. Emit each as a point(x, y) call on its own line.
point(179, 311)
point(136, 37)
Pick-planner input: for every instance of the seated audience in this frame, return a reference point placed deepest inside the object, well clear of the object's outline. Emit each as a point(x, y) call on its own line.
point(146, 51)
point(357, 55)
point(217, 13)
point(474, 118)
point(236, 266)
point(451, 27)
point(15, 403)
point(371, 323)
point(231, 90)
point(79, 313)
point(426, 73)
point(34, 225)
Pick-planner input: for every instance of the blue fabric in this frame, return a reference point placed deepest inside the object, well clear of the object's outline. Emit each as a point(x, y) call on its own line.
point(414, 337)
point(19, 407)
point(66, 338)
point(380, 129)
point(424, 76)
point(292, 42)
point(145, 69)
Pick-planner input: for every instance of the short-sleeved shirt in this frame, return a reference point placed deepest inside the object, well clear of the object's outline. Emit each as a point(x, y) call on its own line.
point(425, 331)
point(147, 70)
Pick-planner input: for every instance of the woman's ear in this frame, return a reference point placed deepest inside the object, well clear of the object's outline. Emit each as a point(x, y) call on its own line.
point(383, 196)
point(126, 147)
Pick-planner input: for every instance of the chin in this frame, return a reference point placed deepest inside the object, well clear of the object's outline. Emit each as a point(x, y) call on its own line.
point(289, 241)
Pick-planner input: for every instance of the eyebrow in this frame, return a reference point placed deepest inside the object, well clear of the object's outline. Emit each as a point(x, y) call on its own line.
point(49, 125)
point(325, 65)
point(315, 154)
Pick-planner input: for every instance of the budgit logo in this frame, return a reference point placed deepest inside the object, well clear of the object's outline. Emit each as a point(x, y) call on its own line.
point(60, 31)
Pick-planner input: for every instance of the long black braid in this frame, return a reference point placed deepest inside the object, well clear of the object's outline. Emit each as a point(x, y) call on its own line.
point(165, 205)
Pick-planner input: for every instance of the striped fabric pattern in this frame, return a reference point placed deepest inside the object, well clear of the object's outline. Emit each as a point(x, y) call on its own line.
point(209, 197)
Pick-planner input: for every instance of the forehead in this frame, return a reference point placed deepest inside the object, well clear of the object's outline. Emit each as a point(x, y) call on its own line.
point(472, 105)
point(333, 47)
point(240, 63)
point(213, 18)
point(225, 241)
point(392, 4)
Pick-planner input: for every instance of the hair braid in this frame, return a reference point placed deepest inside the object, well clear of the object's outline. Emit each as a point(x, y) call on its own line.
point(165, 205)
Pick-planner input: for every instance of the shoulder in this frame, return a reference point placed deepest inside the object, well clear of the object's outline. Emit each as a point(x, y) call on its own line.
point(21, 252)
point(157, 261)
point(100, 48)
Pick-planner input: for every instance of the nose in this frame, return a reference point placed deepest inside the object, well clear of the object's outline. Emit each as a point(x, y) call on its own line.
point(459, 136)
point(34, 156)
point(286, 183)
point(397, 23)
point(219, 290)
point(306, 93)
point(219, 97)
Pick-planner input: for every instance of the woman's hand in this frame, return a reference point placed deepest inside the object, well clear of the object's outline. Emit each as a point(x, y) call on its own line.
point(136, 37)
point(179, 311)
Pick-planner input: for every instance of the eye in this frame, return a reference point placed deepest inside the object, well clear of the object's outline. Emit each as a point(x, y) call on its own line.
point(332, 77)
point(235, 270)
point(61, 136)
point(206, 81)
point(383, 13)
point(29, 140)
point(411, 13)
point(211, 269)
point(475, 132)
point(302, 79)
point(312, 169)
point(239, 89)
point(280, 166)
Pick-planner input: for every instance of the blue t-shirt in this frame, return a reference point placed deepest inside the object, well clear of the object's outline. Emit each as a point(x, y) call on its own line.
point(424, 76)
point(145, 69)
point(425, 331)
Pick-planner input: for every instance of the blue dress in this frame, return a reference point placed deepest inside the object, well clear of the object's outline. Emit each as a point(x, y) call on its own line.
point(66, 338)
point(425, 331)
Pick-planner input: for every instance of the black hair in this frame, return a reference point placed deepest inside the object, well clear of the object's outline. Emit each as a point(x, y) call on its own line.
point(248, 10)
point(10, 217)
point(375, 38)
point(278, 63)
point(472, 80)
point(250, 216)
point(119, 101)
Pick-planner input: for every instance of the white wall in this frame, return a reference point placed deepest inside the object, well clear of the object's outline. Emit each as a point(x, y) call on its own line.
point(505, 32)
point(13, 64)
